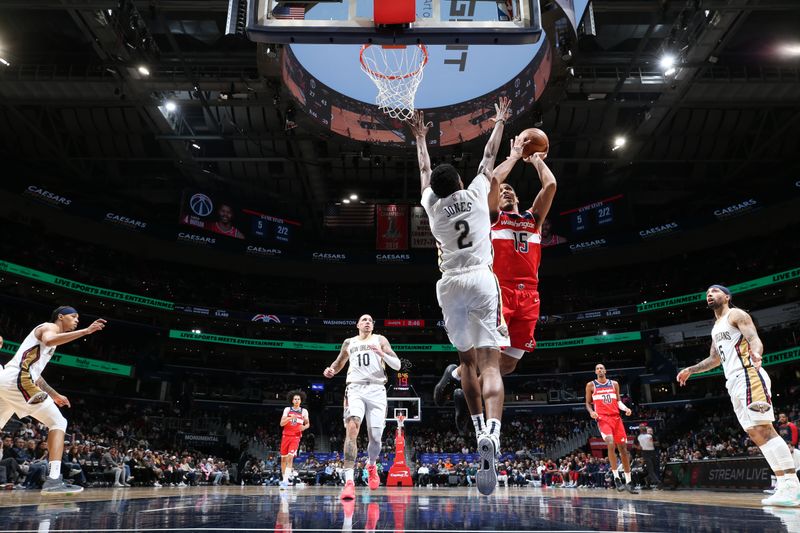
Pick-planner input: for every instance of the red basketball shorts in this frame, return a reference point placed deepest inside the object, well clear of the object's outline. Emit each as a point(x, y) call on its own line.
point(289, 444)
point(612, 426)
point(520, 312)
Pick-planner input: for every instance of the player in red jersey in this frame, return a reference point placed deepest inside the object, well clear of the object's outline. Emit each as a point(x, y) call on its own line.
point(294, 421)
point(604, 394)
point(516, 243)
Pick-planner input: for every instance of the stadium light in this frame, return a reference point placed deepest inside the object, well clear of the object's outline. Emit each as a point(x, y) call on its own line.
point(619, 142)
point(4, 62)
point(346, 201)
point(790, 50)
point(143, 70)
point(667, 63)
point(354, 197)
point(196, 331)
point(170, 106)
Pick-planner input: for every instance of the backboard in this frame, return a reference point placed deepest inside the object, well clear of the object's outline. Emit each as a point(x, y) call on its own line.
point(411, 408)
point(437, 22)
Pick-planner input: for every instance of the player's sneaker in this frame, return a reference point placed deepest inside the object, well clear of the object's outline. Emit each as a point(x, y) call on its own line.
point(619, 484)
point(373, 515)
point(373, 480)
point(785, 496)
point(283, 485)
point(39, 397)
point(630, 487)
point(445, 386)
point(462, 412)
point(59, 487)
point(349, 491)
point(486, 478)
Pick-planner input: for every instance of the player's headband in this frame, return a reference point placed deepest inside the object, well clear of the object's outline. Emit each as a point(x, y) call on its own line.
point(66, 310)
point(723, 288)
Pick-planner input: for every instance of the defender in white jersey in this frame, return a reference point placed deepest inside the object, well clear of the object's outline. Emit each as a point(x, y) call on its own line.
point(24, 392)
point(365, 396)
point(468, 292)
point(735, 344)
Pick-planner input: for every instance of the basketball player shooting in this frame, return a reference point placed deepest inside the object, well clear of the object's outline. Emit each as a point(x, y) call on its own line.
point(604, 394)
point(364, 397)
point(24, 392)
point(516, 242)
point(736, 346)
point(468, 292)
point(294, 422)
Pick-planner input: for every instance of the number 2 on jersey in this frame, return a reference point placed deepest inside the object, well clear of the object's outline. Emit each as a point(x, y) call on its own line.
point(463, 227)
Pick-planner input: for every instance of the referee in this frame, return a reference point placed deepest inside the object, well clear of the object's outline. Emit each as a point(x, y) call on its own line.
point(647, 445)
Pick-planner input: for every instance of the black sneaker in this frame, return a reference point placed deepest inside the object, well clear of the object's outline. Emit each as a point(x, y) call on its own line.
point(630, 487)
point(443, 388)
point(462, 412)
point(619, 484)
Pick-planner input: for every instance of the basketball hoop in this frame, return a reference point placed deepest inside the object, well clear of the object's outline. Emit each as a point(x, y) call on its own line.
point(396, 70)
point(400, 419)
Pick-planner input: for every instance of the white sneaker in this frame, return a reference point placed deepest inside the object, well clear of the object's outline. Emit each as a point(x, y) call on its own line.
point(118, 485)
point(785, 496)
point(157, 485)
point(181, 484)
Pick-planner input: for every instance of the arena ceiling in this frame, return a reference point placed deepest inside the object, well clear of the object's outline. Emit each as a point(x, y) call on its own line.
point(75, 109)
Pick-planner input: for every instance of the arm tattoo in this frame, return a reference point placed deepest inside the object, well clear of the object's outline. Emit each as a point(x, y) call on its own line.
point(42, 384)
point(708, 363)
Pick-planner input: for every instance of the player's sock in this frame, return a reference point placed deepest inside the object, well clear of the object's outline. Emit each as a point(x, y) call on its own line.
point(348, 474)
point(627, 477)
point(455, 374)
point(55, 469)
point(493, 427)
point(479, 423)
point(615, 473)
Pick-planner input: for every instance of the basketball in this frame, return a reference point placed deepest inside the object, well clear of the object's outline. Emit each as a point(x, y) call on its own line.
point(537, 142)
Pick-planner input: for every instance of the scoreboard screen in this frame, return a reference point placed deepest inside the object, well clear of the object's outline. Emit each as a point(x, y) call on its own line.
point(270, 229)
point(592, 217)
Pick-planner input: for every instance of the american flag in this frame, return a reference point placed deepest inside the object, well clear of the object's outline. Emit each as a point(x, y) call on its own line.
point(349, 215)
point(289, 11)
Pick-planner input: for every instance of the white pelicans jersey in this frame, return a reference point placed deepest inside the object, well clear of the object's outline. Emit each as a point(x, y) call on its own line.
point(461, 225)
point(365, 366)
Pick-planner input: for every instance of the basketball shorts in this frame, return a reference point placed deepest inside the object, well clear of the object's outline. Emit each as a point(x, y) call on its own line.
point(612, 426)
point(289, 444)
point(366, 401)
point(12, 402)
point(521, 312)
point(751, 397)
point(472, 308)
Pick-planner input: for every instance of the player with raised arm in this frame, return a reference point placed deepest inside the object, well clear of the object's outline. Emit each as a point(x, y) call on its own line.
point(294, 422)
point(736, 346)
point(516, 242)
point(364, 397)
point(604, 394)
point(24, 392)
point(468, 292)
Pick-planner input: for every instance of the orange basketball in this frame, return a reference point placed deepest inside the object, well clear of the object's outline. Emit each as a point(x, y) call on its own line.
point(537, 141)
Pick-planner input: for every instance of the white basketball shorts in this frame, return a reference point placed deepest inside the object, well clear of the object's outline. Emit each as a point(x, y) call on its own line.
point(751, 397)
point(472, 308)
point(368, 401)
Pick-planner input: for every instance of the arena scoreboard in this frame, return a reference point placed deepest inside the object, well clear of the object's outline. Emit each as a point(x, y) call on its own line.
point(594, 217)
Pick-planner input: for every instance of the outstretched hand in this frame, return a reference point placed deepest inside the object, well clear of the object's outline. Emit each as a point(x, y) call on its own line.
point(535, 158)
point(517, 146)
point(418, 125)
point(503, 109)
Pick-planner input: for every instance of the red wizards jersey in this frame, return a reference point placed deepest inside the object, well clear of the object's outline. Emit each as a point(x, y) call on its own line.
point(296, 420)
point(605, 399)
point(517, 249)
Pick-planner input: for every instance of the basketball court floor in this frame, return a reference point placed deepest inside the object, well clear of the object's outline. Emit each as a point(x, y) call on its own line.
point(394, 509)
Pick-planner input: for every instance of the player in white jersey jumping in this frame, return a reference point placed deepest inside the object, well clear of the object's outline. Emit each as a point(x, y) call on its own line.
point(364, 398)
point(735, 345)
point(468, 292)
point(24, 392)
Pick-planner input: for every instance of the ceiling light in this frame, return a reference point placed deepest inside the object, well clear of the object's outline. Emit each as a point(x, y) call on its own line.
point(354, 197)
point(670, 71)
point(4, 62)
point(619, 142)
point(170, 106)
point(195, 146)
point(346, 201)
point(605, 332)
point(143, 70)
point(791, 50)
point(667, 61)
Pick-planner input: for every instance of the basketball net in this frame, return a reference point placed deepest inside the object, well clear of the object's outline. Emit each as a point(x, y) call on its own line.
point(396, 70)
